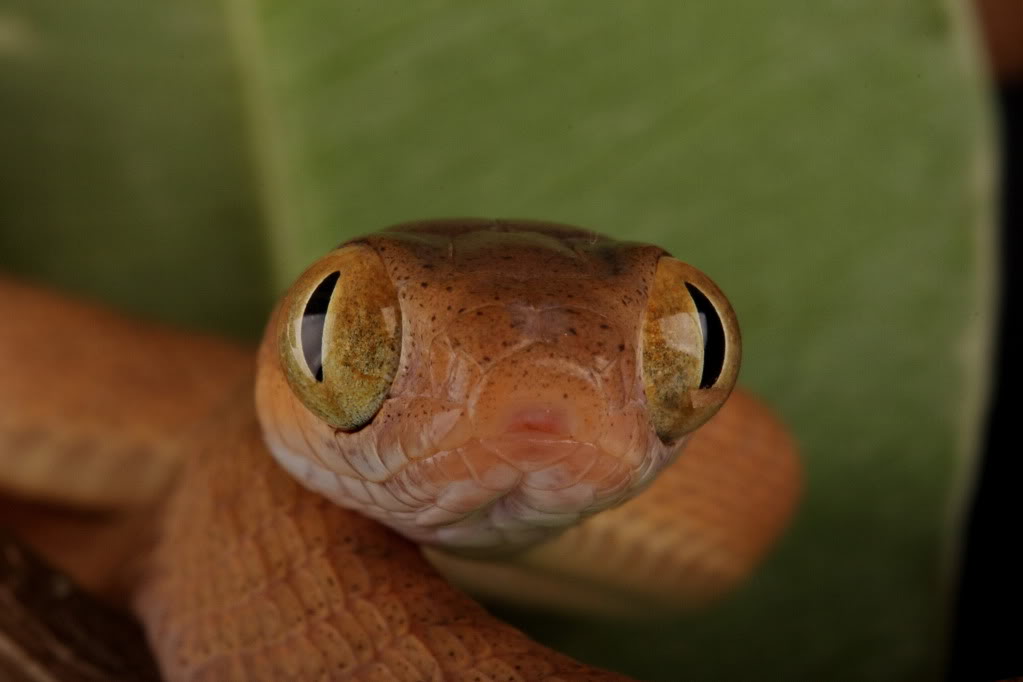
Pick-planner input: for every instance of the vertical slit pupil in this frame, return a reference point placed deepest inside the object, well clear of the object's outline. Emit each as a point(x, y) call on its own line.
point(713, 337)
point(313, 318)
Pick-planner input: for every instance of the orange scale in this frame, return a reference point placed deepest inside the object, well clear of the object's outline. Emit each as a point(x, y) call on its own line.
point(362, 646)
point(251, 565)
point(229, 669)
point(335, 649)
point(308, 592)
point(392, 611)
point(276, 557)
point(413, 650)
point(259, 666)
point(310, 529)
point(290, 610)
point(451, 653)
point(445, 467)
point(323, 577)
point(400, 669)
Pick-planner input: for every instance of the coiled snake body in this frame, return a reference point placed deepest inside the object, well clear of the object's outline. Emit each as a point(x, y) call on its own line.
point(498, 393)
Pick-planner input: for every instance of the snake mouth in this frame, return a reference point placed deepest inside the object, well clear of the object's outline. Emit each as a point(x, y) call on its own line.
point(522, 487)
point(536, 471)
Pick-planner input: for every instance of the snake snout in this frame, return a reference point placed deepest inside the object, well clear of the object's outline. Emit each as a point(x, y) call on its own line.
point(538, 393)
point(540, 419)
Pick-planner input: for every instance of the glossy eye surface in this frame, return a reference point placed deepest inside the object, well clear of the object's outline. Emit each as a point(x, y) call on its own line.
point(691, 349)
point(341, 343)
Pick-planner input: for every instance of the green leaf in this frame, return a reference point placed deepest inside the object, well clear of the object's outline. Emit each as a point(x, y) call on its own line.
point(819, 160)
point(126, 172)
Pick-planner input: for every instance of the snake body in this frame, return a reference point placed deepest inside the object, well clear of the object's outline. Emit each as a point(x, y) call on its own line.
point(497, 392)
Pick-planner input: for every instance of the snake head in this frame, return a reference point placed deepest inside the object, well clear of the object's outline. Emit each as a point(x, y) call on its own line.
point(483, 385)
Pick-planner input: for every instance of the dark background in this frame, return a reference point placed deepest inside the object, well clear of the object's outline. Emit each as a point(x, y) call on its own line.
point(988, 635)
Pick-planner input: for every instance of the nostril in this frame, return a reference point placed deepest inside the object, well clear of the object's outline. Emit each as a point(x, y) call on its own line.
point(539, 420)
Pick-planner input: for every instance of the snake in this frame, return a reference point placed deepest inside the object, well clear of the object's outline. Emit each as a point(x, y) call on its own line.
point(439, 411)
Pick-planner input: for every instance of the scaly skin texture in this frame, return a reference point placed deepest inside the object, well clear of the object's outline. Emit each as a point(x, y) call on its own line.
point(698, 531)
point(93, 403)
point(518, 406)
point(256, 578)
point(240, 571)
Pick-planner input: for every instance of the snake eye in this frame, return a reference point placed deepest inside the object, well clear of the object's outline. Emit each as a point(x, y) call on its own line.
point(341, 343)
point(691, 349)
point(312, 324)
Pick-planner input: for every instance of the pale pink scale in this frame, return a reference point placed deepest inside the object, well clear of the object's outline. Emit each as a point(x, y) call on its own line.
point(387, 442)
point(565, 500)
point(567, 472)
point(323, 480)
point(487, 468)
point(365, 461)
point(609, 476)
point(529, 510)
point(424, 479)
point(421, 438)
point(465, 497)
point(437, 516)
point(621, 435)
point(397, 519)
point(356, 490)
point(387, 500)
point(400, 488)
point(526, 454)
point(330, 456)
point(463, 374)
point(656, 459)
point(504, 515)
